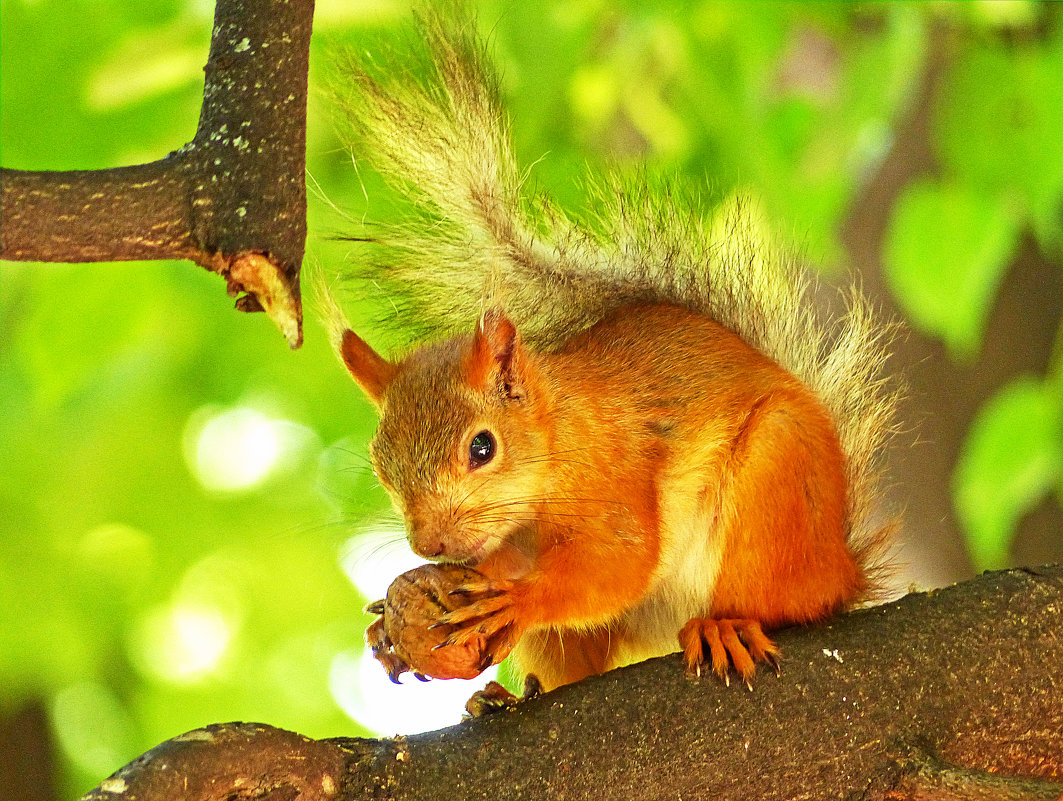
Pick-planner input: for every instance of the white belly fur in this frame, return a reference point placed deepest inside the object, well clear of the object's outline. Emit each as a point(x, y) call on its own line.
point(682, 586)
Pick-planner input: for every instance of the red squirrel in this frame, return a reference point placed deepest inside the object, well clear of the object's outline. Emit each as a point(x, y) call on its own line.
point(647, 442)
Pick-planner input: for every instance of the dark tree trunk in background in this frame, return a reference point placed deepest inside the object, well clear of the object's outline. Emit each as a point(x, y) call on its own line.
point(27, 761)
point(944, 396)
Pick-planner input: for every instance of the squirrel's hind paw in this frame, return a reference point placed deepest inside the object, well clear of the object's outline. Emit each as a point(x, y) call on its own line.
point(496, 698)
point(741, 643)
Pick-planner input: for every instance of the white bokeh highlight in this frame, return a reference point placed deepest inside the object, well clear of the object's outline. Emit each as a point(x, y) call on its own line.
point(363, 690)
point(239, 448)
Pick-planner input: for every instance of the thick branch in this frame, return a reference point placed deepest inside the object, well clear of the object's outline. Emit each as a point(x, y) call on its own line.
point(233, 200)
point(959, 688)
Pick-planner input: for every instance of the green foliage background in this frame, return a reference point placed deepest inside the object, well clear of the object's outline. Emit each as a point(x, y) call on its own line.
point(106, 370)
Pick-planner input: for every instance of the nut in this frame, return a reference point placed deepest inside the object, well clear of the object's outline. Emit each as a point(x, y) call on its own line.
point(413, 637)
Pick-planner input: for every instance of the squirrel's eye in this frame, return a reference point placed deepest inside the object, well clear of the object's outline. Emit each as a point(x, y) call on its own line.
point(481, 449)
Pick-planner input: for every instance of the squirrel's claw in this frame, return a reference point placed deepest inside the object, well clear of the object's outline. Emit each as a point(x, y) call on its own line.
point(772, 658)
point(738, 643)
point(376, 637)
point(376, 607)
point(492, 698)
point(484, 618)
point(394, 665)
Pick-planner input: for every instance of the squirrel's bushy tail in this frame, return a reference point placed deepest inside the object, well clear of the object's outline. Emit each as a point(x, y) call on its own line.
point(435, 128)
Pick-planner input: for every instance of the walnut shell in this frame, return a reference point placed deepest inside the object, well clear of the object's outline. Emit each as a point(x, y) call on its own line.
point(416, 601)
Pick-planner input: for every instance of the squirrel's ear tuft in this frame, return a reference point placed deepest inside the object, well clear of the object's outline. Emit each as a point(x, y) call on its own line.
point(495, 356)
point(371, 370)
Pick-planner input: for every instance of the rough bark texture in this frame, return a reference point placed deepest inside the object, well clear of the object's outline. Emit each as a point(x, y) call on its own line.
point(233, 200)
point(948, 695)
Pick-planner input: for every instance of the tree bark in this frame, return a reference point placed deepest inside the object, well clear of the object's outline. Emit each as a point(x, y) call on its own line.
point(233, 200)
point(950, 694)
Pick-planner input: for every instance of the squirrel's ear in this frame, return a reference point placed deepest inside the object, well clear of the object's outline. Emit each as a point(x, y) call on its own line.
point(371, 370)
point(495, 356)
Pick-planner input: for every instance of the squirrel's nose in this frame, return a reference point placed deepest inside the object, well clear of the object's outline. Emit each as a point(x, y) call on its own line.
point(427, 547)
point(426, 537)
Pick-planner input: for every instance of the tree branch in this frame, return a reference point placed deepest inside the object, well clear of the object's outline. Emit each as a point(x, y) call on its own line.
point(97, 215)
point(233, 200)
point(958, 688)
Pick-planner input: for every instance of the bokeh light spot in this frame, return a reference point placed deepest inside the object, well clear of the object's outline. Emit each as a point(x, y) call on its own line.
point(92, 727)
point(374, 556)
point(363, 690)
point(230, 450)
point(183, 642)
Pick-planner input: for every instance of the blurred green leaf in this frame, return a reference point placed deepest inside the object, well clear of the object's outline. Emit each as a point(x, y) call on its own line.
point(946, 251)
point(58, 115)
point(998, 127)
point(1011, 460)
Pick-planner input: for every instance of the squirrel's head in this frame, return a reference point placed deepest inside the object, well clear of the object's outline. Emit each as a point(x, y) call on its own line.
point(463, 439)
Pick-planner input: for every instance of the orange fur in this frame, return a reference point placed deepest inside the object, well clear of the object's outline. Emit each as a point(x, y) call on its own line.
point(658, 484)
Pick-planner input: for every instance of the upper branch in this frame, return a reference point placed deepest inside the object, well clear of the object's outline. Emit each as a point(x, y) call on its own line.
point(135, 213)
point(958, 689)
point(233, 199)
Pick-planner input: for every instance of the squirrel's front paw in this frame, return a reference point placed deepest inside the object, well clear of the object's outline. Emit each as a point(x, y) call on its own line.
point(491, 612)
point(741, 643)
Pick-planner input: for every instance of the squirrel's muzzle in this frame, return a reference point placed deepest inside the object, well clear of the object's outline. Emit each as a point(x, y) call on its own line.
point(431, 535)
point(426, 540)
point(434, 536)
